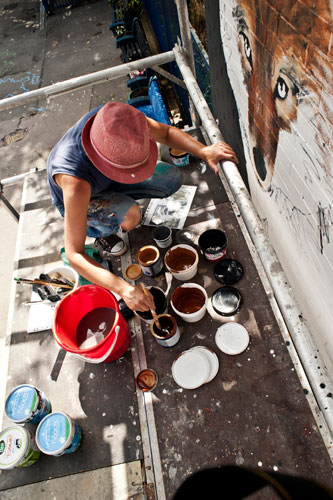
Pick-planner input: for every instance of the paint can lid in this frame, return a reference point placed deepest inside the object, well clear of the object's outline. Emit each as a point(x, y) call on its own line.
point(22, 403)
point(212, 358)
point(147, 380)
point(55, 433)
point(133, 272)
point(226, 301)
point(14, 445)
point(232, 338)
point(185, 236)
point(228, 271)
point(190, 369)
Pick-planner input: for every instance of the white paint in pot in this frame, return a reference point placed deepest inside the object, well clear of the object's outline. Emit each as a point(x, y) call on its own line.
point(173, 262)
point(197, 315)
point(17, 448)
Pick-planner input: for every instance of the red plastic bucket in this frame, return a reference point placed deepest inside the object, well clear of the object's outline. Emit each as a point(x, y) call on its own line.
point(73, 308)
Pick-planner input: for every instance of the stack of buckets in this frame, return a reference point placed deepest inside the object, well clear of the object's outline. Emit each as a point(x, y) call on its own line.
point(56, 433)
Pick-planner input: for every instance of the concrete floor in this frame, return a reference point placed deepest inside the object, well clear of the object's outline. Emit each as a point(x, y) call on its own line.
point(258, 411)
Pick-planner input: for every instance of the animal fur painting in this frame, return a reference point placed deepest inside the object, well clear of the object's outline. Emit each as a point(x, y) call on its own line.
point(285, 65)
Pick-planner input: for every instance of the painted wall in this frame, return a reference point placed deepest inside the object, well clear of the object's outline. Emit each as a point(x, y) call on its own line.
point(271, 79)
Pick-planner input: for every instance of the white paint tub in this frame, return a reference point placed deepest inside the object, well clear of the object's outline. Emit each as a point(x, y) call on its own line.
point(189, 301)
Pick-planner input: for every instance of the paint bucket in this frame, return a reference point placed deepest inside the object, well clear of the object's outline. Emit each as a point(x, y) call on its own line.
point(149, 260)
point(179, 158)
point(169, 334)
point(17, 448)
point(26, 403)
point(57, 434)
point(79, 312)
point(182, 262)
point(213, 244)
point(66, 272)
point(189, 301)
point(160, 301)
point(162, 236)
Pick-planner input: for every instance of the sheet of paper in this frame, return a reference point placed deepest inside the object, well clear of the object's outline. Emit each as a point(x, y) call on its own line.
point(171, 211)
point(40, 314)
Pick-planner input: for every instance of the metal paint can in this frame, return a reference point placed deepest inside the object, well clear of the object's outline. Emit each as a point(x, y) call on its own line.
point(17, 448)
point(57, 434)
point(150, 260)
point(169, 334)
point(26, 403)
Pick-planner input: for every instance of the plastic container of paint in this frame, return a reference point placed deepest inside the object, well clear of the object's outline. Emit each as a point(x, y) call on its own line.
point(213, 244)
point(169, 334)
point(162, 236)
point(149, 260)
point(26, 403)
point(17, 448)
point(179, 158)
point(57, 434)
point(182, 262)
point(189, 301)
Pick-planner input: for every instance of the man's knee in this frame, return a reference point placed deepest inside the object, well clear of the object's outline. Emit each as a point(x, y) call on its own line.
point(132, 218)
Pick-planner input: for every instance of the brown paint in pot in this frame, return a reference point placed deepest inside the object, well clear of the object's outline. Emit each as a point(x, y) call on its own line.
point(149, 260)
point(188, 300)
point(168, 335)
point(180, 258)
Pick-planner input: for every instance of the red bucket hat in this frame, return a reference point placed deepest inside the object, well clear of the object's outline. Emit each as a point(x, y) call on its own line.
point(116, 139)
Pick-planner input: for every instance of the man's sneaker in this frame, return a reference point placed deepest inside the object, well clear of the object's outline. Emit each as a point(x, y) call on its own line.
point(110, 246)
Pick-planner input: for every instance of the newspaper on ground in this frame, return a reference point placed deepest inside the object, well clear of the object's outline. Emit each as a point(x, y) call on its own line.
point(171, 211)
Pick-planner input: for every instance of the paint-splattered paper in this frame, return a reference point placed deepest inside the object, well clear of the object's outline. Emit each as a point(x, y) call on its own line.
point(171, 211)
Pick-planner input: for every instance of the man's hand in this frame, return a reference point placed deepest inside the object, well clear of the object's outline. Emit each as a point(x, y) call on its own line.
point(217, 152)
point(136, 300)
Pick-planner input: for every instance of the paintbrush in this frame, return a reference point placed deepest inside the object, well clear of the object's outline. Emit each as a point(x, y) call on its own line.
point(41, 282)
point(153, 313)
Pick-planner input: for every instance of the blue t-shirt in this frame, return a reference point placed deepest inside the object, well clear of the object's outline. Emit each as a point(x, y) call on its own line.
point(68, 157)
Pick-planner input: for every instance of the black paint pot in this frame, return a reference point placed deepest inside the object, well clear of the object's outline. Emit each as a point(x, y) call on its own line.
point(228, 271)
point(160, 304)
point(213, 244)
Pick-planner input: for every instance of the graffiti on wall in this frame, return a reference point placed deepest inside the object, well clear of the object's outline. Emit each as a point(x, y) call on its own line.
point(276, 54)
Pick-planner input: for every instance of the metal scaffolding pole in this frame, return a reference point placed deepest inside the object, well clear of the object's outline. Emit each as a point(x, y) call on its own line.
point(86, 80)
point(299, 333)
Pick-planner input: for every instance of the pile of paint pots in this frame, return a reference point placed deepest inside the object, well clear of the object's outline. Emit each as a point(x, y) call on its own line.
point(55, 433)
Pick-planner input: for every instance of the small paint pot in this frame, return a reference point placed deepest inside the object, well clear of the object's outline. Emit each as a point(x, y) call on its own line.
point(168, 335)
point(182, 262)
point(162, 236)
point(179, 158)
point(189, 301)
point(160, 301)
point(17, 448)
point(133, 272)
point(147, 380)
point(213, 244)
point(57, 434)
point(226, 301)
point(26, 403)
point(149, 260)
